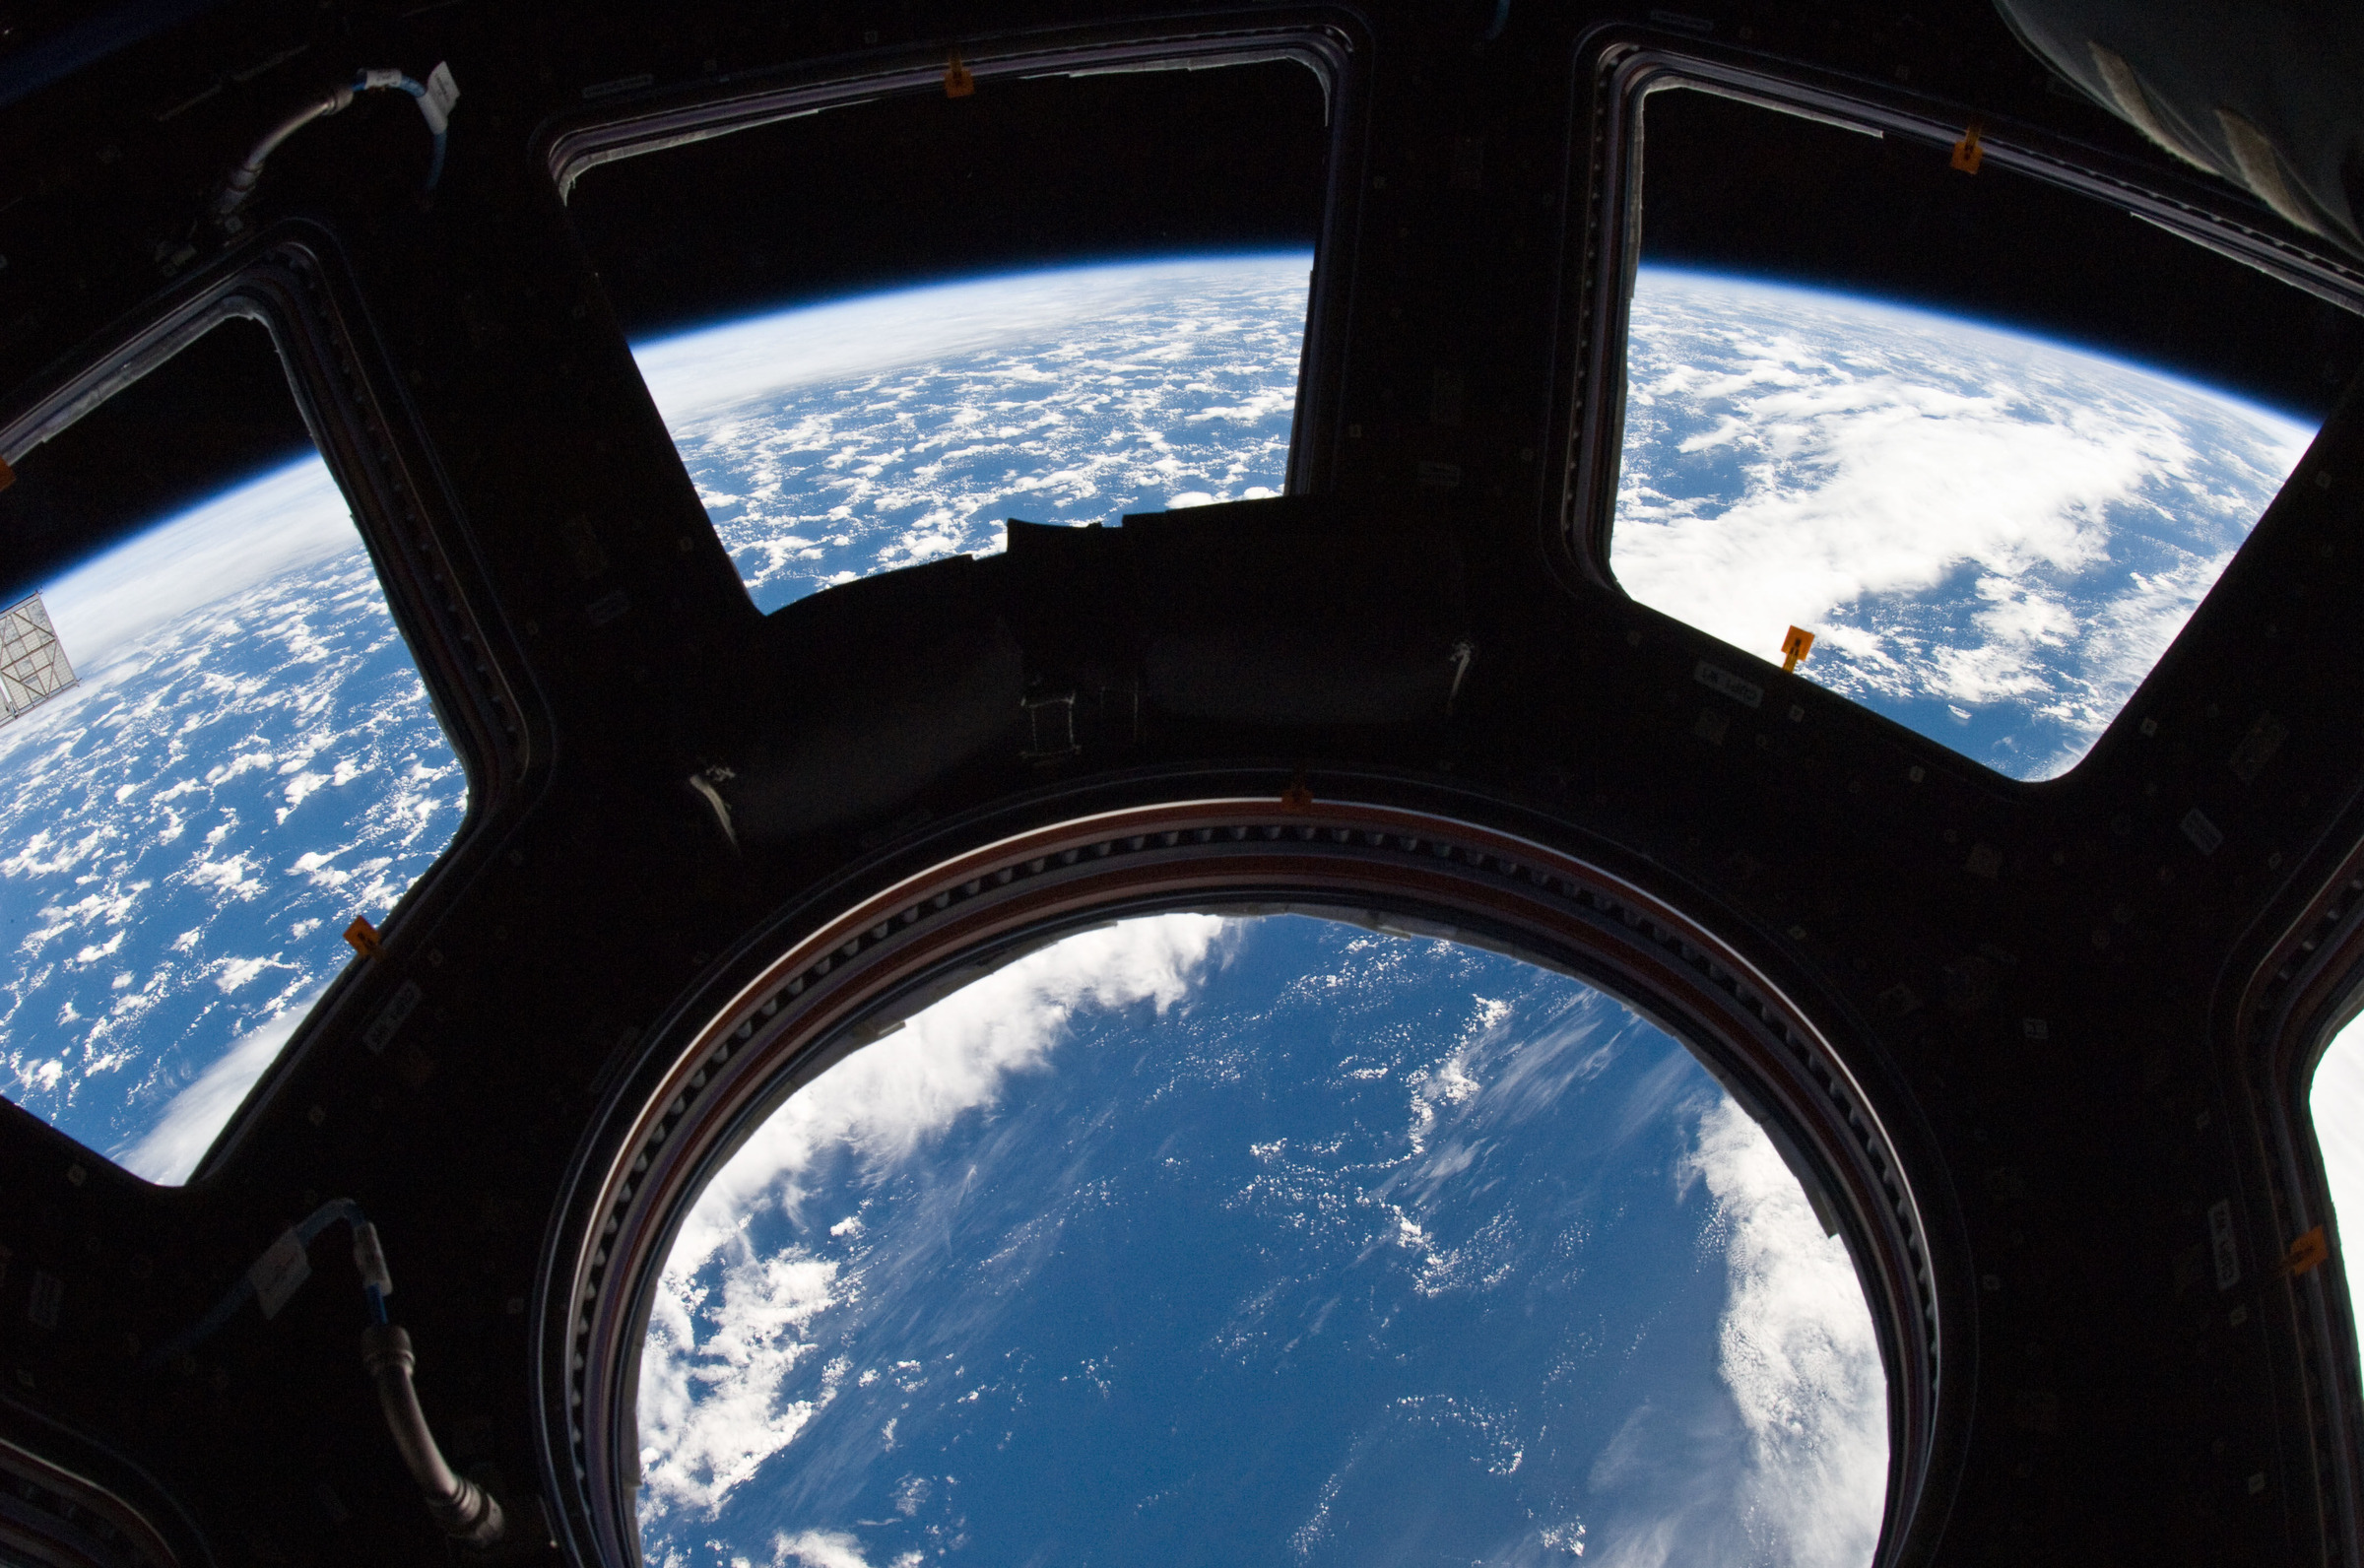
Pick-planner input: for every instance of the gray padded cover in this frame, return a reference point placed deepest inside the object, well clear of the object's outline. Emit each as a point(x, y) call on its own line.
point(2267, 96)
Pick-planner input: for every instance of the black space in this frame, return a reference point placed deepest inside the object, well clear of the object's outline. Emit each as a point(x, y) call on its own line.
point(1730, 186)
point(214, 413)
point(924, 188)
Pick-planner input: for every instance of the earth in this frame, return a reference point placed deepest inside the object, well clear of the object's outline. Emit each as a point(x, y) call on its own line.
point(1265, 1240)
point(1991, 537)
point(1258, 1239)
point(852, 439)
point(249, 763)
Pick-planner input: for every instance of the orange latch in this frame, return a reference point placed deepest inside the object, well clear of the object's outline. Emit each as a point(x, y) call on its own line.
point(1794, 647)
point(1967, 154)
point(2306, 1253)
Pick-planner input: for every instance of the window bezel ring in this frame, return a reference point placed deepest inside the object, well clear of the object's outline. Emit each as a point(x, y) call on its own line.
point(759, 1030)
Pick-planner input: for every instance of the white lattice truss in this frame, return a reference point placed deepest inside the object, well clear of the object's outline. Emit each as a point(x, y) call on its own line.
point(33, 662)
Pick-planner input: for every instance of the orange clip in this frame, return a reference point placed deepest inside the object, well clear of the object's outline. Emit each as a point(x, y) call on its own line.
point(1967, 154)
point(958, 81)
point(364, 936)
point(1794, 647)
point(2306, 1252)
point(1297, 797)
point(8, 476)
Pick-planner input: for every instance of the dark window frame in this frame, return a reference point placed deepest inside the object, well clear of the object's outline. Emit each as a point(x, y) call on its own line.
point(826, 979)
point(291, 280)
point(1616, 69)
point(76, 1504)
point(1332, 44)
point(2306, 987)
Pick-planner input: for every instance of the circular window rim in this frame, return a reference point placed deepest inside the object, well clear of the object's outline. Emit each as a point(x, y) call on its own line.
point(836, 983)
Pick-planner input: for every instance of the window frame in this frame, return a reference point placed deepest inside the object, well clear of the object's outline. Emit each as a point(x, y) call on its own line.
point(2307, 987)
point(1617, 68)
point(291, 280)
point(823, 979)
point(63, 1485)
point(639, 117)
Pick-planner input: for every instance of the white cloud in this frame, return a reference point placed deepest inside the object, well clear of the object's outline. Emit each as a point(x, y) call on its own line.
point(825, 1549)
point(291, 518)
point(727, 1327)
point(1797, 1350)
point(1962, 514)
point(2335, 1103)
point(171, 1150)
point(1874, 481)
point(701, 373)
point(710, 1412)
point(1794, 1472)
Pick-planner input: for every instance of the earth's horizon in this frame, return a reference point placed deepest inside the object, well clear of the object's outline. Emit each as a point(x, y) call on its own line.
point(1993, 537)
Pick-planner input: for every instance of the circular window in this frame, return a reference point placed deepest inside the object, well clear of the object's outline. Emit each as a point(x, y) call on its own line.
point(1260, 1240)
point(1293, 1193)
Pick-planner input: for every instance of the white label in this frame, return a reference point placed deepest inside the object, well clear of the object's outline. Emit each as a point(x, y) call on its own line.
point(442, 94)
point(1745, 693)
point(280, 1272)
point(389, 1017)
point(2220, 1239)
point(2204, 834)
point(48, 1295)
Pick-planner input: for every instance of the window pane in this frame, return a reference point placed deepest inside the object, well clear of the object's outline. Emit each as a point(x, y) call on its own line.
point(836, 441)
point(1059, 309)
point(1261, 1241)
point(1994, 511)
point(248, 762)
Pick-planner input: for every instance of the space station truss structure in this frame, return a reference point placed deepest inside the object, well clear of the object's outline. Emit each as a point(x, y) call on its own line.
point(33, 667)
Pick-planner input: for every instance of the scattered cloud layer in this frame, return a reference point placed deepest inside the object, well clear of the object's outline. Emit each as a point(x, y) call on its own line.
point(1993, 537)
point(250, 762)
point(293, 516)
point(696, 375)
point(1458, 1222)
point(723, 1341)
point(819, 1548)
point(835, 441)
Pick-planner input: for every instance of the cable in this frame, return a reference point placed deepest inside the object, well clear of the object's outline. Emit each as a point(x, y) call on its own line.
point(434, 97)
point(466, 1512)
point(283, 1268)
point(242, 182)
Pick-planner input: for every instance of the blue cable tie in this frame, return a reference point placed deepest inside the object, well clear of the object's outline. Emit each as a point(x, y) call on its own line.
point(336, 1209)
point(366, 81)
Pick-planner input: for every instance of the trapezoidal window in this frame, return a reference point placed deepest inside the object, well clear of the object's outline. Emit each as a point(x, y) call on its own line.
point(1987, 439)
point(878, 331)
point(1195, 1239)
point(232, 757)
